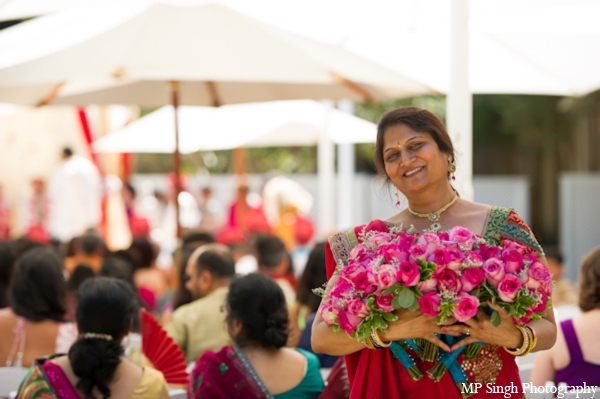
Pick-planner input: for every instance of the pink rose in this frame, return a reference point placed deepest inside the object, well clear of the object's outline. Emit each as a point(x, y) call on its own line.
point(449, 281)
point(547, 288)
point(361, 255)
point(393, 252)
point(431, 241)
point(409, 274)
point(444, 236)
point(348, 322)
point(358, 307)
point(440, 257)
point(456, 258)
point(384, 302)
point(428, 285)
point(494, 271)
point(366, 282)
point(406, 241)
point(475, 259)
point(379, 239)
point(539, 272)
point(351, 271)
point(418, 251)
point(513, 245)
point(430, 304)
point(471, 278)
point(461, 236)
point(488, 252)
point(541, 307)
point(508, 288)
point(327, 315)
point(522, 320)
point(386, 276)
point(513, 261)
point(466, 307)
point(341, 289)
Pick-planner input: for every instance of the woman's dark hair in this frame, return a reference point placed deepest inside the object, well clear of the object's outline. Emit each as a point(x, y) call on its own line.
point(143, 252)
point(37, 289)
point(270, 251)
point(81, 273)
point(258, 303)
point(314, 276)
point(7, 262)
point(419, 120)
point(182, 295)
point(105, 307)
point(121, 268)
point(589, 281)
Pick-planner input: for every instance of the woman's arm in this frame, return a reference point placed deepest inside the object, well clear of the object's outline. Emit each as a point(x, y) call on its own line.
point(543, 368)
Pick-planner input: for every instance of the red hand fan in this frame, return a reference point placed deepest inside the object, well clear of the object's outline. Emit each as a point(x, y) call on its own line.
point(162, 351)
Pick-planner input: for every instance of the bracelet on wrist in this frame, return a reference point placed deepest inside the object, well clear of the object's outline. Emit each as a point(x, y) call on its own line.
point(526, 347)
point(378, 341)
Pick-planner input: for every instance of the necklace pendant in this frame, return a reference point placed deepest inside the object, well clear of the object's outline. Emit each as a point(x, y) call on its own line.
point(435, 227)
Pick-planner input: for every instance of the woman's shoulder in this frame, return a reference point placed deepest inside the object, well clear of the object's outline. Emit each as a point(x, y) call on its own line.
point(506, 224)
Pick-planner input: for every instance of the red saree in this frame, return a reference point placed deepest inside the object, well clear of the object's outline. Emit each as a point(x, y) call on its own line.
point(375, 374)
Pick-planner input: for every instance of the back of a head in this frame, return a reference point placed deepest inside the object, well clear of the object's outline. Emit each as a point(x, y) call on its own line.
point(90, 244)
point(270, 251)
point(143, 251)
point(37, 289)
point(258, 303)
point(589, 281)
point(104, 313)
point(197, 238)
point(552, 251)
point(217, 259)
point(7, 261)
point(119, 267)
point(314, 276)
point(81, 273)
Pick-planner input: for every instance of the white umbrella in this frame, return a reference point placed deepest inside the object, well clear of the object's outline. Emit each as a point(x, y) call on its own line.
point(268, 124)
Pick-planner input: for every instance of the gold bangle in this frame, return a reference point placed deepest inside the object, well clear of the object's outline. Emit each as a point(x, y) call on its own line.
point(521, 350)
point(533, 338)
point(378, 341)
point(369, 344)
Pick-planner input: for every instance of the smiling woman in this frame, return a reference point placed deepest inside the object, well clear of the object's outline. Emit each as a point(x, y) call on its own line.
point(414, 153)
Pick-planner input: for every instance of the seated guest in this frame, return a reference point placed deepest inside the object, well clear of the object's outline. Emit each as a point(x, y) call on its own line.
point(198, 326)
point(575, 358)
point(80, 274)
point(87, 249)
point(563, 292)
point(34, 324)
point(150, 281)
point(94, 367)
point(257, 365)
point(274, 261)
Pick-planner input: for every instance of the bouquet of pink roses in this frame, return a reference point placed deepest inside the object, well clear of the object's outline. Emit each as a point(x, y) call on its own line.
point(443, 274)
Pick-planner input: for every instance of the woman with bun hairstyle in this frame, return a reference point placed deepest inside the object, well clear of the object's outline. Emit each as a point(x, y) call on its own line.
point(95, 368)
point(257, 366)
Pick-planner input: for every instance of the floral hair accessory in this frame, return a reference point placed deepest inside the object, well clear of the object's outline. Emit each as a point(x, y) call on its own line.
point(97, 336)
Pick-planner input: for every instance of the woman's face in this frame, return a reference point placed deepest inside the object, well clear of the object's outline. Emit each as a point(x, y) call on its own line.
point(413, 160)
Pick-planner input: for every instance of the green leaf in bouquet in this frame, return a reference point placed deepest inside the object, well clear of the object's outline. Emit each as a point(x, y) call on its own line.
point(396, 302)
point(389, 290)
point(389, 316)
point(476, 291)
point(407, 298)
point(417, 292)
point(380, 323)
point(489, 289)
point(414, 306)
point(336, 328)
point(496, 319)
point(536, 316)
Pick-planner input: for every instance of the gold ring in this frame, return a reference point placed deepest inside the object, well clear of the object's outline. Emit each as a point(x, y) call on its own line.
point(468, 330)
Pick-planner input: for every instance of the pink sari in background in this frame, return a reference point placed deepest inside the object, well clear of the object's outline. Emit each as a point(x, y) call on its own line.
point(46, 380)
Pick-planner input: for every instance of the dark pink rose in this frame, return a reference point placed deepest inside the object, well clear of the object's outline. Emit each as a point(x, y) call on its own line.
point(430, 303)
point(341, 290)
point(449, 281)
point(522, 320)
point(386, 276)
point(508, 288)
point(488, 252)
point(547, 288)
point(393, 252)
point(461, 236)
point(431, 241)
point(348, 322)
point(327, 315)
point(494, 271)
point(474, 259)
point(409, 274)
point(456, 258)
point(444, 236)
point(361, 255)
point(406, 241)
point(440, 257)
point(513, 261)
point(471, 278)
point(358, 307)
point(418, 251)
point(539, 272)
point(428, 285)
point(384, 302)
point(540, 307)
point(466, 307)
point(366, 282)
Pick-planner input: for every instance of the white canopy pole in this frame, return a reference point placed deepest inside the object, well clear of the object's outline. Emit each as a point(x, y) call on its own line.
point(459, 102)
point(326, 180)
point(345, 167)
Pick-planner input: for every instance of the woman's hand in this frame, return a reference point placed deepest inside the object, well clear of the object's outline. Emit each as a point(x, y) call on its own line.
point(411, 325)
point(480, 329)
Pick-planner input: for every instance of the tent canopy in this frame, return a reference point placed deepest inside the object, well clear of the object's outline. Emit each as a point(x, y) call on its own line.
point(277, 123)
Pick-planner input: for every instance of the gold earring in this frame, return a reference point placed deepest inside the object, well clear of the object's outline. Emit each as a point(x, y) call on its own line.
point(397, 198)
point(451, 167)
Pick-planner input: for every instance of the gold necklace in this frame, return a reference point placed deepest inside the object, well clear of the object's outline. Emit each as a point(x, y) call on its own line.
point(434, 217)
